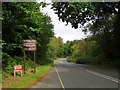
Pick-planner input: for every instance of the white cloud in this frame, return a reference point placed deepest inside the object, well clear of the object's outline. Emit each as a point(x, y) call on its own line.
point(60, 30)
point(46, 1)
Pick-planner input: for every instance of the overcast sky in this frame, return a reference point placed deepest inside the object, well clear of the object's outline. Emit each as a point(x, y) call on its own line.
point(66, 32)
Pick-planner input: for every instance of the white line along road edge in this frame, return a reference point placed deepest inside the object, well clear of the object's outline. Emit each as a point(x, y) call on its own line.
point(103, 76)
point(60, 79)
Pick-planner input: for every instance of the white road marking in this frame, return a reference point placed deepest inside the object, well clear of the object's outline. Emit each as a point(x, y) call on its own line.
point(92, 72)
point(103, 76)
point(61, 62)
point(60, 79)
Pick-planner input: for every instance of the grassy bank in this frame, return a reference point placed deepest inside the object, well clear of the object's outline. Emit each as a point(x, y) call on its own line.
point(28, 79)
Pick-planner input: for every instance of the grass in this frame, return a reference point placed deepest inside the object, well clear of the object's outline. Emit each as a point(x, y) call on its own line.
point(28, 79)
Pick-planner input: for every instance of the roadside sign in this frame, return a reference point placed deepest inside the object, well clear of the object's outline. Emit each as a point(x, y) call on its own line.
point(17, 69)
point(30, 45)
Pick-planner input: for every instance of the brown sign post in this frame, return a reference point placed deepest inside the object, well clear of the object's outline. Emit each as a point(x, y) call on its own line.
point(30, 45)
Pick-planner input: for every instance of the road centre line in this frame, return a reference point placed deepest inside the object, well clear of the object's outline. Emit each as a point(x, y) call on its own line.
point(59, 79)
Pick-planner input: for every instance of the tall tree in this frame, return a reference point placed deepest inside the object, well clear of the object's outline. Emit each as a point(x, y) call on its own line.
point(56, 47)
point(100, 15)
point(25, 21)
point(81, 12)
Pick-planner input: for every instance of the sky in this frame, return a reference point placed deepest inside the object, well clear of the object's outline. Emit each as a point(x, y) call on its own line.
point(67, 33)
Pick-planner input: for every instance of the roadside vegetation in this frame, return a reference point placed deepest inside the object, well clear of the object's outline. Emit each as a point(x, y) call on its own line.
point(28, 80)
point(102, 21)
point(24, 21)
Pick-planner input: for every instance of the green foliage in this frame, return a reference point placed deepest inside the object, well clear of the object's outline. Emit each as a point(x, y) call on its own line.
point(67, 48)
point(9, 62)
point(8, 66)
point(81, 12)
point(104, 25)
point(74, 13)
point(24, 21)
point(81, 60)
point(24, 82)
point(4, 75)
point(29, 64)
point(89, 51)
point(70, 59)
point(56, 48)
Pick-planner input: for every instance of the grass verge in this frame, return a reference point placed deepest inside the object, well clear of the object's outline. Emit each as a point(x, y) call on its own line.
point(28, 79)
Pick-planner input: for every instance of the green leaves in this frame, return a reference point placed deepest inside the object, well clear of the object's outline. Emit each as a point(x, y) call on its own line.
point(101, 19)
point(56, 47)
point(25, 21)
point(75, 13)
point(81, 12)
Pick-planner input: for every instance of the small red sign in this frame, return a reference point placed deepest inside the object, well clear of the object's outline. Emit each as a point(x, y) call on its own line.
point(17, 67)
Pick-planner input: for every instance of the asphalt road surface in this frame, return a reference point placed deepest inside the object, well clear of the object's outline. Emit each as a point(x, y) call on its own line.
point(70, 75)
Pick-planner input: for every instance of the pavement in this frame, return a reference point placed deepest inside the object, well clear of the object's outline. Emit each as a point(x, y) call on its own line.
point(69, 75)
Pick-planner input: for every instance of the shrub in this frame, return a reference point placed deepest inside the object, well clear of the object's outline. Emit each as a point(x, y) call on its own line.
point(80, 60)
point(100, 59)
point(115, 63)
point(70, 59)
point(9, 63)
point(4, 75)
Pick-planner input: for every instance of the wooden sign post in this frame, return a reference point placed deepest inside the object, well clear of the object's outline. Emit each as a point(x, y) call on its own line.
point(29, 45)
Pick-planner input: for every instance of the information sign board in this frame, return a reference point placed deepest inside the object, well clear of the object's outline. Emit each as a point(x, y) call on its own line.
point(29, 45)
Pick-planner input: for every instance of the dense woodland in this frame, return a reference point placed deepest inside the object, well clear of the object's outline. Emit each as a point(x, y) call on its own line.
point(101, 19)
point(25, 21)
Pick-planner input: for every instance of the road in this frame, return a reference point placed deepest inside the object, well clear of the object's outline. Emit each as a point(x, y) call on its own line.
point(70, 75)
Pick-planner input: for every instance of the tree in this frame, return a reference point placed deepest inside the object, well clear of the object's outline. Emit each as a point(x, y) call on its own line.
point(68, 49)
point(24, 21)
point(104, 19)
point(81, 12)
point(56, 47)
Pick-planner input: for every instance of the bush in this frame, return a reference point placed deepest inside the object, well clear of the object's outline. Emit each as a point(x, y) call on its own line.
point(80, 60)
point(115, 63)
point(29, 64)
point(4, 75)
point(8, 67)
point(45, 61)
point(70, 59)
point(9, 63)
point(100, 59)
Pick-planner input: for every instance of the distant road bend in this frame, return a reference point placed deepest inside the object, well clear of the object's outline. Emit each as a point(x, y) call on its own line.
point(70, 75)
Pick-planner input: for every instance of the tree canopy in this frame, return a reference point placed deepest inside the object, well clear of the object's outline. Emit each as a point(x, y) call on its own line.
point(81, 12)
point(99, 18)
point(24, 21)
